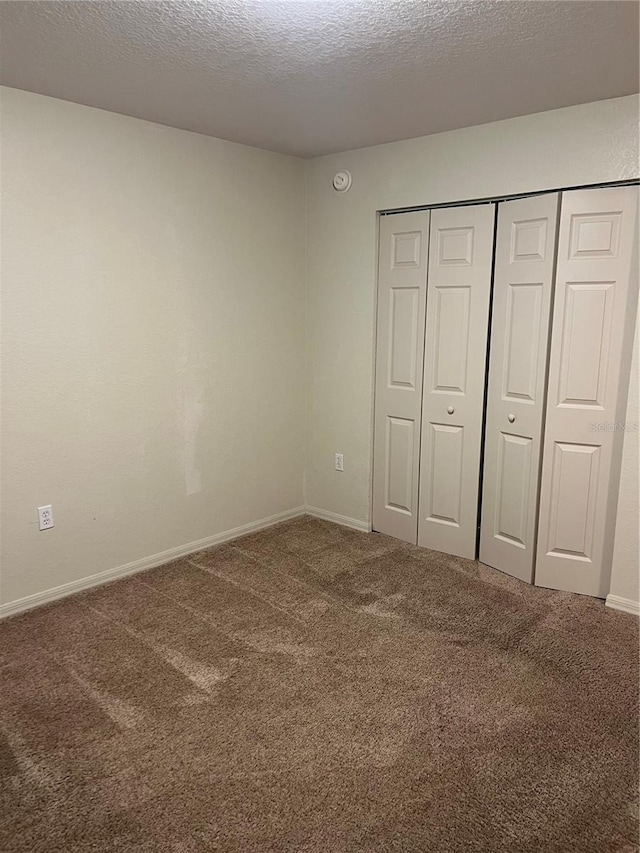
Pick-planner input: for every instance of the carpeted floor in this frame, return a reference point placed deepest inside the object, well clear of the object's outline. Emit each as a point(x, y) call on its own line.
point(310, 688)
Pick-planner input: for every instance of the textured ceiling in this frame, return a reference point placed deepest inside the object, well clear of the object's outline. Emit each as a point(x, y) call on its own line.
point(310, 77)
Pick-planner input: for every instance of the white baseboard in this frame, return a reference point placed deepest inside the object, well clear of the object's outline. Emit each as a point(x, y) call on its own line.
point(38, 598)
point(628, 605)
point(344, 520)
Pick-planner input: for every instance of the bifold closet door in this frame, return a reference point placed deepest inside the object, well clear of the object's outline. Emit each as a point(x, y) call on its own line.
point(593, 319)
point(460, 256)
point(522, 293)
point(402, 289)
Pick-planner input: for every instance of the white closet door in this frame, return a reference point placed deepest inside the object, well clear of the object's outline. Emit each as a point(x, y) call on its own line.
point(460, 255)
point(522, 291)
point(594, 309)
point(402, 288)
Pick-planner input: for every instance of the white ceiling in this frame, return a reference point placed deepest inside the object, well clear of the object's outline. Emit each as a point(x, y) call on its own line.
point(310, 77)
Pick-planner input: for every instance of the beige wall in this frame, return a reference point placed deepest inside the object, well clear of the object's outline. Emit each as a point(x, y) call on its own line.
point(153, 322)
point(580, 145)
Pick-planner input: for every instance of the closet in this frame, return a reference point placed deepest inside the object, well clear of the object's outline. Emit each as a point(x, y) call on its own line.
point(504, 334)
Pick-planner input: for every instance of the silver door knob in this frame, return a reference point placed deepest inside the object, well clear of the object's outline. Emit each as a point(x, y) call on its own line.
point(511, 418)
point(450, 410)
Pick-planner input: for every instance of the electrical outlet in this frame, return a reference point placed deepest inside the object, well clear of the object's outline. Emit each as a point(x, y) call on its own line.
point(45, 517)
point(339, 462)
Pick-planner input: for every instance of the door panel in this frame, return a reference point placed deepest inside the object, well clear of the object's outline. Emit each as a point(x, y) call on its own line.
point(403, 332)
point(583, 356)
point(522, 295)
point(593, 319)
point(400, 463)
point(460, 255)
point(574, 492)
point(402, 287)
point(452, 333)
point(445, 465)
point(513, 489)
point(522, 342)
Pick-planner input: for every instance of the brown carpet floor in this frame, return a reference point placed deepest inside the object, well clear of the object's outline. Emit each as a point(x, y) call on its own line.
point(311, 688)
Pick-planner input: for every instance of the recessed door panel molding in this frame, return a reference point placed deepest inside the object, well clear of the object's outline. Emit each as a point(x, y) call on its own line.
point(513, 493)
point(460, 258)
point(454, 247)
point(520, 369)
point(444, 490)
point(595, 235)
point(593, 320)
point(402, 287)
point(400, 464)
point(588, 306)
point(450, 354)
point(574, 498)
point(522, 298)
point(403, 336)
point(529, 239)
point(407, 249)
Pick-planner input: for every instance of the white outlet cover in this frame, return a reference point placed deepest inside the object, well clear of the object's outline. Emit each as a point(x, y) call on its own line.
point(45, 517)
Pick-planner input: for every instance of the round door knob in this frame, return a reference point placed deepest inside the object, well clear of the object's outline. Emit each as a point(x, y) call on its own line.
point(511, 418)
point(450, 409)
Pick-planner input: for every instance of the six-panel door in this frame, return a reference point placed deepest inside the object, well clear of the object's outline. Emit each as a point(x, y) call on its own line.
point(459, 285)
point(592, 332)
point(522, 292)
point(402, 286)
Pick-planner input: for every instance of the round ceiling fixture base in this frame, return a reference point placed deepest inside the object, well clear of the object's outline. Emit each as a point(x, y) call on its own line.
point(342, 181)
